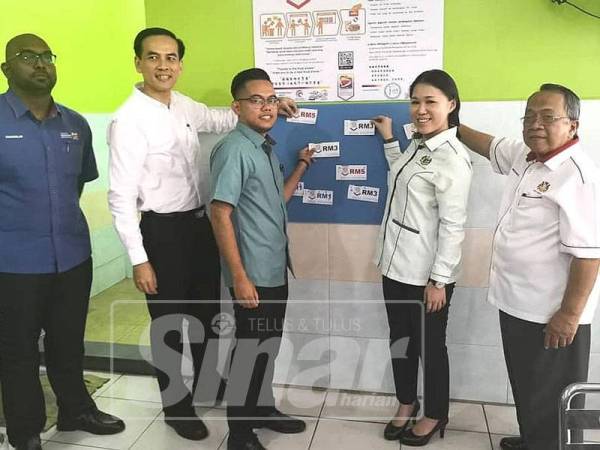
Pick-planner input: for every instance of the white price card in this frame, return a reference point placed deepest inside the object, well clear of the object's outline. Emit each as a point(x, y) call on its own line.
point(409, 130)
point(317, 197)
point(325, 149)
point(359, 128)
point(363, 193)
point(305, 115)
point(352, 172)
point(299, 192)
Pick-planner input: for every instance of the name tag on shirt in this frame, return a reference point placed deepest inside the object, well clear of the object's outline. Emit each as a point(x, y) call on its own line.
point(13, 136)
point(73, 135)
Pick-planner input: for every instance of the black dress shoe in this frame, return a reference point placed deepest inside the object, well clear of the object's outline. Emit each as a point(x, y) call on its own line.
point(414, 440)
point(93, 421)
point(192, 428)
point(250, 442)
point(513, 443)
point(392, 432)
point(282, 423)
point(33, 443)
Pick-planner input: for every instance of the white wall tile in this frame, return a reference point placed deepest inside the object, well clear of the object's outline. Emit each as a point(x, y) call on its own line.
point(358, 309)
point(477, 372)
point(472, 320)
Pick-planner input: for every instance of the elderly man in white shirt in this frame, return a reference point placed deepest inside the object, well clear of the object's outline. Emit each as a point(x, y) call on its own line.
point(157, 167)
point(545, 261)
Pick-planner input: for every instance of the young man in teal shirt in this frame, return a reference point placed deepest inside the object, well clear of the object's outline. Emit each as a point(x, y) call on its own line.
point(249, 217)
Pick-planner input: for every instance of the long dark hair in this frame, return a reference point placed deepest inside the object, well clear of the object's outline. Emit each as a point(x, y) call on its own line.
point(444, 82)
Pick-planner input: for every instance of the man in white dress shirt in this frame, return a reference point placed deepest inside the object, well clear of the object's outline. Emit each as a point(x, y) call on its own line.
point(158, 168)
point(546, 254)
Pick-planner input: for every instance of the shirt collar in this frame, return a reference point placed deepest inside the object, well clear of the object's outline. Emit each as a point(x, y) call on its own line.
point(556, 157)
point(256, 138)
point(434, 142)
point(20, 108)
point(139, 94)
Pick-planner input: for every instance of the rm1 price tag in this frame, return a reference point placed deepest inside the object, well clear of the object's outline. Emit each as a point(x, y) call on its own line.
point(317, 197)
point(305, 115)
point(363, 193)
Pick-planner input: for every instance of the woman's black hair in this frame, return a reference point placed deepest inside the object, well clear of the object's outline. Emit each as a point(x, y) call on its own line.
point(444, 82)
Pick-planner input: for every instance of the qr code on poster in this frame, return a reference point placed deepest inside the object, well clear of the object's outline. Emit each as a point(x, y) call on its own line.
point(345, 60)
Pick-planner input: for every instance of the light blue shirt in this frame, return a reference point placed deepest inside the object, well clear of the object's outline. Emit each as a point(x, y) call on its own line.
point(246, 173)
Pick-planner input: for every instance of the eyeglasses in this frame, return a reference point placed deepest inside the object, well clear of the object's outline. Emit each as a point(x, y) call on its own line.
point(545, 119)
point(31, 58)
point(258, 101)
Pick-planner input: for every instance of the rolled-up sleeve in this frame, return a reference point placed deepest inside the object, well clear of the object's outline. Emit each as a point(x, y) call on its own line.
point(452, 193)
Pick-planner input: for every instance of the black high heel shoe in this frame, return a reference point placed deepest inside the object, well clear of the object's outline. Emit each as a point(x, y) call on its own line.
point(411, 439)
point(392, 432)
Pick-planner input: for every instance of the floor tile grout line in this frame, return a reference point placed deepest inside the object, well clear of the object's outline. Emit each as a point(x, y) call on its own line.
point(106, 385)
point(130, 399)
point(75, 444)
point(312, 438)
point(487, 425)
point(145, 429)
point(223, 441)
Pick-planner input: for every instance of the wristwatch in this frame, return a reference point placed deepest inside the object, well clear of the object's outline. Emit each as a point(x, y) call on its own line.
point(437, 284)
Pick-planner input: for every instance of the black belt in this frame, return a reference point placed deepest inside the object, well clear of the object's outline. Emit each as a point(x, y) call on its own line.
point(196, 213)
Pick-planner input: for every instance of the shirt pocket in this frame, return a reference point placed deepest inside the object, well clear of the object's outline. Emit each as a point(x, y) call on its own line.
point(69, 157)
point(533, 207)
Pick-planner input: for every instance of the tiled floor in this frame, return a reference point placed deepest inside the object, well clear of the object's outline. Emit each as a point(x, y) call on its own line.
point(119, 315)
point(335, 420)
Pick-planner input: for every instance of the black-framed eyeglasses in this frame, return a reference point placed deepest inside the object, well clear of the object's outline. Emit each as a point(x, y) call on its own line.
point(545, 119)
point(259, 101)
point(31, 58)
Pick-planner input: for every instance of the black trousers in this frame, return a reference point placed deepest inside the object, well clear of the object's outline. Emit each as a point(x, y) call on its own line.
point(258, 338)
point(58, 304)
point(183, 252)
point(405, 320)
point(538, 377)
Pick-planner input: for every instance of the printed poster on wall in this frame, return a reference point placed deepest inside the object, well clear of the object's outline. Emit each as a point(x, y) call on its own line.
point(332, 50)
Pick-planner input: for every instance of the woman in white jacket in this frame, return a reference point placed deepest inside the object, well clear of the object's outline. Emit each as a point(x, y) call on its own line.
point(419, 249)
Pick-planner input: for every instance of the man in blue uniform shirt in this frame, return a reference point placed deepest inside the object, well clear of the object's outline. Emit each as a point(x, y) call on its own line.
point(46, 156)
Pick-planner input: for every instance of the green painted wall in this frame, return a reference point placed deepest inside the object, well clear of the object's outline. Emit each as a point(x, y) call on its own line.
point(496, 49)
point(93, 40)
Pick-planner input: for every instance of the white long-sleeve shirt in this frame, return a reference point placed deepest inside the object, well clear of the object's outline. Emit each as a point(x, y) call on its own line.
point(422, 230)
point(156, 161)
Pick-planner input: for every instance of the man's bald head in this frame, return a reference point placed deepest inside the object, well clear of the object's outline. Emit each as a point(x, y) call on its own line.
point(21, 42)
point(32, 72)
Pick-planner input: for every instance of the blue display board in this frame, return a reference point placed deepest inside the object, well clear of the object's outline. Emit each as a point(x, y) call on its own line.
point(368, 150)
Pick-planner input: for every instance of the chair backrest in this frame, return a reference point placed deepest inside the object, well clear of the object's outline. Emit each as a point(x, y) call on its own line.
point(577, 419)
